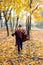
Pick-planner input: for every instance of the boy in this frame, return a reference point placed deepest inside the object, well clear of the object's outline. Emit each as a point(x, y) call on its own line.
point(20, 37)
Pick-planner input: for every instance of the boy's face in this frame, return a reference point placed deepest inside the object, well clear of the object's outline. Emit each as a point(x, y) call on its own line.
point(19, 28)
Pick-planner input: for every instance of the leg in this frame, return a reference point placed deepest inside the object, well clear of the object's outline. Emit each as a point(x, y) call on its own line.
point(21, 45)
point(18, 48)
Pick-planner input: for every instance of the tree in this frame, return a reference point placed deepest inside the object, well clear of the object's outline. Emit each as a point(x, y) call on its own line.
point(6, 20)
point(1, 19)
point(17, 23)
point(31, 10)
point(11, 22)
point(0, 14)
point(30, 6)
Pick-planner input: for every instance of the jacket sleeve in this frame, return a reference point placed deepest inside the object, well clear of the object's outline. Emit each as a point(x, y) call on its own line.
point(24, 37)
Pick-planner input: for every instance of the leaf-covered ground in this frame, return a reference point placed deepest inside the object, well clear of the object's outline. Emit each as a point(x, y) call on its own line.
point(32, 53)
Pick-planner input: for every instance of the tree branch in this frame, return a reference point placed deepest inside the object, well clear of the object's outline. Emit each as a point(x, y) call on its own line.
point(34, 9)
point(7, 11)
point(10, 13)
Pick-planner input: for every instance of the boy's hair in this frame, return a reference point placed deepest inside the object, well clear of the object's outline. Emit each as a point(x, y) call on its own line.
point(20, 25)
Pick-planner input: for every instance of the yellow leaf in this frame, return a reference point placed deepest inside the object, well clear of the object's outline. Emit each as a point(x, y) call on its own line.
point(23, 5)
point(18, 1)
point(7, 56)
point(21, 17)
point(18, 11)
point(37, 16)
point(40, 2)
point(28, 9)
point(35, 13)
point(33, 63)
point(25, 1)
point(39, 9)
point(3, 8)
point(33, 6)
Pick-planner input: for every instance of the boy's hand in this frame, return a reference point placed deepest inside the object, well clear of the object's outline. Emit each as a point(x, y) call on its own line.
point(13, 34)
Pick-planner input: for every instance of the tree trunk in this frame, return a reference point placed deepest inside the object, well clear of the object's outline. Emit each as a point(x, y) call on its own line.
point(28, 27)
point(11, 26)
point(6, 20)
point(17, 23)
point(13, 23)
point(7, 27)
point(30, 21)
point(1, 20)
point(0, 15)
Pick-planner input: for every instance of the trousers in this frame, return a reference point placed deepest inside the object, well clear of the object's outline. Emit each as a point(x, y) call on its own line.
point(19, 45)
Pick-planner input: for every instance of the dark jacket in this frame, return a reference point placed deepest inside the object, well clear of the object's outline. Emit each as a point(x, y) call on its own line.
point(21, 36)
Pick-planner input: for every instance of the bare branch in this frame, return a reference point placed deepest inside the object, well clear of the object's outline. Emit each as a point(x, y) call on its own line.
point(30, 3)
point(7, 11)
point(34, 9)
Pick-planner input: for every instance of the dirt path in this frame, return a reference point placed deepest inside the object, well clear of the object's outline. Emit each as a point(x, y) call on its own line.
point(32, 53)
